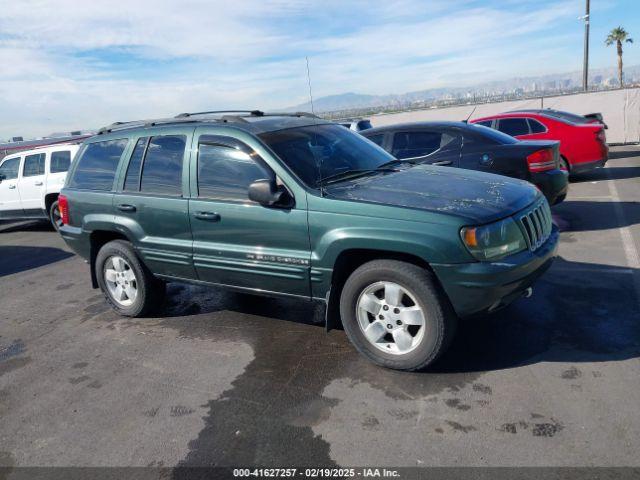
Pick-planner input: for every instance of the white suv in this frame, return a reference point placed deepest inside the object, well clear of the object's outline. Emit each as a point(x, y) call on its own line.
point(30, 182)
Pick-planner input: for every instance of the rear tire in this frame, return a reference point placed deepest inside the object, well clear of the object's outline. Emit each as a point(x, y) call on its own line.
point(564, 165)
point(127, 284)
point(54, 216)
point(394, 314)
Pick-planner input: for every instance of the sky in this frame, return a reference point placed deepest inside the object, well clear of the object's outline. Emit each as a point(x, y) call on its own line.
point(67, 65)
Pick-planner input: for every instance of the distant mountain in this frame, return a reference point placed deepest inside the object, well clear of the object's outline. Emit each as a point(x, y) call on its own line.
point(354, 101)
point(342, 101)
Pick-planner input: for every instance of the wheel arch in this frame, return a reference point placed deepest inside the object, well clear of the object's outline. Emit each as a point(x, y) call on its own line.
point(347, 262)
point(97, 239)
point(49, 200)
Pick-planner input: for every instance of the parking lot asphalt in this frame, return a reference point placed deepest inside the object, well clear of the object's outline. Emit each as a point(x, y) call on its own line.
point(229, 379)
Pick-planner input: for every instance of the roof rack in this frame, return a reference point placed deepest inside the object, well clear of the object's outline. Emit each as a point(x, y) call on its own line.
point(187, 118)
point(114, 127)
point(253, 113)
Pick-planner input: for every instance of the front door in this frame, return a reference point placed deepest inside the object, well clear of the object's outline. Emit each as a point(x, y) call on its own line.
point(9, 195)
point(237, 242)
point(151, 205)
point(31, 184)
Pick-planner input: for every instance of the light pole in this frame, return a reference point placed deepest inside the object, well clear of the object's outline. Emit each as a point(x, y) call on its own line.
point(585, 67)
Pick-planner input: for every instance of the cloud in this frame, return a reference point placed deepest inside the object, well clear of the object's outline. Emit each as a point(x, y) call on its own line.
point(68, 65)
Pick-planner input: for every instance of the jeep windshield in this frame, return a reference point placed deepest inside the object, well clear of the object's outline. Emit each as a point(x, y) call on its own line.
point(316, 153)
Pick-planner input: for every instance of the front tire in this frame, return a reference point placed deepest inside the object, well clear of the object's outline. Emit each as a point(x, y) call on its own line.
point(127, 284)
point(395, 315)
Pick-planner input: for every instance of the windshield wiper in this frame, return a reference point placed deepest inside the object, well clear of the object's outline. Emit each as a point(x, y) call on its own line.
point(397, 161)
point(336, 177)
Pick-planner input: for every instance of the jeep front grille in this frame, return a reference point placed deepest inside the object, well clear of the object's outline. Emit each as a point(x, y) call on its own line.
point(537, 225)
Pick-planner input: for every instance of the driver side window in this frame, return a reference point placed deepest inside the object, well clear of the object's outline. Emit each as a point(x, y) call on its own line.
point(225, 172)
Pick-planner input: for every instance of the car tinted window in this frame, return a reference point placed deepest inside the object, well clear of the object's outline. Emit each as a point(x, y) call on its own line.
point(490, 134)
point(536, 126)
point(513, 126)
point(226, 172)
point(324, 150)
point(415, 144)
point(485, 123)
point(162, 168)
point(132, 179)
point(9, 168)
point(377, 139)
point(96, 168)
point(33, 165)
point(60, 161)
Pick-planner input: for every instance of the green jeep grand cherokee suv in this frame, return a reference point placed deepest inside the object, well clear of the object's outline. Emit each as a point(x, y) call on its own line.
point(294, 205)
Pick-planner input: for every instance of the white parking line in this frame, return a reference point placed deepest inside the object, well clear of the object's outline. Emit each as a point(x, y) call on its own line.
point(628, 243)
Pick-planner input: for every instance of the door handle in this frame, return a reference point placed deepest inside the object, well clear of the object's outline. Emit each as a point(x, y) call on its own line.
point(209, 216)
point(125, 207)
point(443, 162)
point(38, 184)
point(12, 187)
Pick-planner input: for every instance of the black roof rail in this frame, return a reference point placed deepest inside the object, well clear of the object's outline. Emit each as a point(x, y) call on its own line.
point(116, 126)
point(187, 118)
point(253, 113)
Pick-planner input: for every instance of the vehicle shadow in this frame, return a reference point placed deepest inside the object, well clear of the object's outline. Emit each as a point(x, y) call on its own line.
point(7, 226)
point(626, 153)
point(579, 216)
point(579, 313)
point(608, 173)
point(15, 259)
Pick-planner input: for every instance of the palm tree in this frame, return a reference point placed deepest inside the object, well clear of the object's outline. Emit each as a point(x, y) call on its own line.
point(618, 36)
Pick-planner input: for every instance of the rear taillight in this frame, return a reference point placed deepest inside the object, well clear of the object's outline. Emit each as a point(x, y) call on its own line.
point(541, 161)
point(601, 136)
point(63, 206)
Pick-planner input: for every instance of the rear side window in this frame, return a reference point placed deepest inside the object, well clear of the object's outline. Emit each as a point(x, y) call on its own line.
point(415, 144)
point(226, 172)
point(33, 165)
point(96, 168)
point(132, 180)
point(513, 126)
point(162, 167)
point(9, 168)
point(60, 161)
point(485, 123)
point(377, 139)
point(536, 126)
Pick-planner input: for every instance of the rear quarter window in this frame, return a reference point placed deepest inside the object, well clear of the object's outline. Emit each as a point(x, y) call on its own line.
point(97, 165)
point(60, 161)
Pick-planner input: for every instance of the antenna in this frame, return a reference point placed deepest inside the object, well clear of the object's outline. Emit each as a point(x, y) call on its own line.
point(472, 112)
point(309, 82)
point(318, 163)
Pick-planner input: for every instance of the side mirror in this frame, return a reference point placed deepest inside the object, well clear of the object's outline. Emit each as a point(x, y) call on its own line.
point(266, 192)
point(2, 177)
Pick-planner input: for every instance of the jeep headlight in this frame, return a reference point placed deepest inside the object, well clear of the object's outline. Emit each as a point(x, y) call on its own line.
point(494, 241)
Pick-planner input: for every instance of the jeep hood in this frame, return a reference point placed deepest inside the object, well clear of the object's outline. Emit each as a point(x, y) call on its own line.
point(479, 197)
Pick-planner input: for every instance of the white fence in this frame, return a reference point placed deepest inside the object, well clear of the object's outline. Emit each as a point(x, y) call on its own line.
point(620, 109)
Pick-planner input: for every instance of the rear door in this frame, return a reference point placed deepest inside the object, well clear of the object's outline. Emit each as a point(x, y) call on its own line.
point(432, 146)
point(9, 195)
point(238, 242)
point(31, 183)
point(151, 203)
